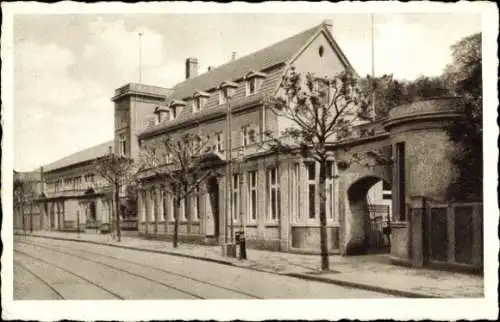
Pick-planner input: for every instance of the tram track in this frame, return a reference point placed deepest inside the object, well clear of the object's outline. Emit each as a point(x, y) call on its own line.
point(164, 271)
point(38, 277)
point(69, 272)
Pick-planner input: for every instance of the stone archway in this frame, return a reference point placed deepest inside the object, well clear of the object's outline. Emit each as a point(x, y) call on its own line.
point(368, 216)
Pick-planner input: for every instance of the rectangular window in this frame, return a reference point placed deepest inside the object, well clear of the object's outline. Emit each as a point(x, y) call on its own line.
point(219, 143)
point(196, 104)
point(173, 113)
point(236, 196)
point(273, 194)
point(182, 210)
point(223, 96)
point(312, 202)
point(400, 155)
point(196, 209)
point(311, 187)
point(244, 138)
point(331, 189)
point(123, 145)
point(170, 206)
point(296, 191)
point(251, 86)
point(252, 189)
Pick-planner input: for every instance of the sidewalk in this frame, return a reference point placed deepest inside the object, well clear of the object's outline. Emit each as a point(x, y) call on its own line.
point(370, 272)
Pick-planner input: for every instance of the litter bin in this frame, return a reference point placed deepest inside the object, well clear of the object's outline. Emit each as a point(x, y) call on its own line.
point(240, 240)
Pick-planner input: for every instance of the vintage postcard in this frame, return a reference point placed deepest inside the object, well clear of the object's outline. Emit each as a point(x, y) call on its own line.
point(309, 160)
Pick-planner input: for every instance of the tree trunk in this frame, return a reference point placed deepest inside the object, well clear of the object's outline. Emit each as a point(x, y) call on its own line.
point(325, 264)
point(176, 220)
point(117, 211)
point(31, 218)
point(21, 208)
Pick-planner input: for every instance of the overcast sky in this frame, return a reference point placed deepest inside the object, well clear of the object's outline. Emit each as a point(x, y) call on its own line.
point(66, 67)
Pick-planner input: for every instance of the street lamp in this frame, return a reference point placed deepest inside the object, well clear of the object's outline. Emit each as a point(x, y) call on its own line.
point(242, 242)
point(227, 88)
point(78, 223)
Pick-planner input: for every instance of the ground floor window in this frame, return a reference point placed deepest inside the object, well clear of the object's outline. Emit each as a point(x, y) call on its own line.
point(273, 190)
point(311, 189)
point(236, 196)
point(252, 192)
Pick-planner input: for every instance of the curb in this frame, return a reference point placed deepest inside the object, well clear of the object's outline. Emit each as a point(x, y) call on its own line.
point(208, 259)
point(367, 287)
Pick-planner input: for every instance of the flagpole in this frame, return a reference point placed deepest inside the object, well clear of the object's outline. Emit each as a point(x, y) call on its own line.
point(140, 57)
point(373, 59)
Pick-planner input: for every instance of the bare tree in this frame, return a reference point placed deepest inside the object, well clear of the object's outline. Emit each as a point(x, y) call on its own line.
point(319, 111)
point(118, 171)
point(179, 162)
point(24, 195)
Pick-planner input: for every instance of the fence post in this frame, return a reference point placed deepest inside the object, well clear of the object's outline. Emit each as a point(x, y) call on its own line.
point(477, 238)
point(450, 219)
point(418, 235)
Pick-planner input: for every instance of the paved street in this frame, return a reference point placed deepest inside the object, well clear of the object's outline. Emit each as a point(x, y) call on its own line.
point(53, 269)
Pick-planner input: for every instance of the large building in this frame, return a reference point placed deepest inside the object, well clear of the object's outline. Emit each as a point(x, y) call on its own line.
point(275, 196)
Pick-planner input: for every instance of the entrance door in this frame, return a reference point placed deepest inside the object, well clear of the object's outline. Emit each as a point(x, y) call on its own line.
point(212, 208)
point(210, 222)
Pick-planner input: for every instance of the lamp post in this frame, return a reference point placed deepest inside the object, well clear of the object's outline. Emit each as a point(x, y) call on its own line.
point(227, 88)
point(78, 223)
point(243, 252)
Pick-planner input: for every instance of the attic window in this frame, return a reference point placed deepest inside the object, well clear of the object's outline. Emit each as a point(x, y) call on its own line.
point(173, 113)
point(226, 91)
point(173, 108)
point(199, 100)
point(253, 82)
point(321, 51)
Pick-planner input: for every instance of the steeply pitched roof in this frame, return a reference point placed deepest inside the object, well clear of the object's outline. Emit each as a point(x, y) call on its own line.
point(260, 60)
point(81, 156)
point(272, 60)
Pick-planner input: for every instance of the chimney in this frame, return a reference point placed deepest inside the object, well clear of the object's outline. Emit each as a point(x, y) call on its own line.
point(191, 67)
point(233, 56)
point(328, 24)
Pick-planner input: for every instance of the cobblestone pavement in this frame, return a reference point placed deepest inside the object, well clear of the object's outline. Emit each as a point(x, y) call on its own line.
point(63, 269)
point(370, 271)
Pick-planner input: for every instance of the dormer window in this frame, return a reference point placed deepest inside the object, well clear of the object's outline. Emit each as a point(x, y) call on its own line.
point(226, 91)
point(251, 86)
point(173, 113)
point(223, 95)
point(161, 114)
point(175, 108)
point(199, 101)
point(253, 82)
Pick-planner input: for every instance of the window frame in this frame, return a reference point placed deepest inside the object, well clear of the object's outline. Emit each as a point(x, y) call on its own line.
point(273, 189)
point(236, 196)
point(219, 142)
point(311, 182)
point(332, 185)
point(296, 193)
point(252, 178)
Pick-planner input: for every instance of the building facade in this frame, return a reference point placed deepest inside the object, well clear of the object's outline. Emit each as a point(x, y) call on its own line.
point(275, 197)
